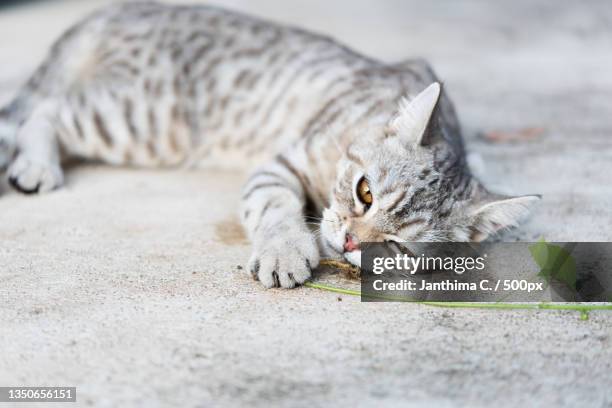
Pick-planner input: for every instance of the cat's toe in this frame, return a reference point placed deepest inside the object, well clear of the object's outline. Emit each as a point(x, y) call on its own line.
point(254, 265)
point(295, 270)
point(269, 270)
point(7, 144)
point(29, 177)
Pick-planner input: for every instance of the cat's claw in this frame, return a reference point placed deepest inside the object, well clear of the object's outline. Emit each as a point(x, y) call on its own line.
point(30, 177)
point(280, 264)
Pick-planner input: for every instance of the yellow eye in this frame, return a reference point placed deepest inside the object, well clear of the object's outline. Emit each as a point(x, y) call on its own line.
point(363, 192)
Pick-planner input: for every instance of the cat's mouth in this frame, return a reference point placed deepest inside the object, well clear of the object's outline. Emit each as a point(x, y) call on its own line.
point(332, 247)
point(353, 257)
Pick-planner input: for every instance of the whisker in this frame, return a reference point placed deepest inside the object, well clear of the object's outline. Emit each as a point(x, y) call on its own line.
point(308, 217)
point(315, 219)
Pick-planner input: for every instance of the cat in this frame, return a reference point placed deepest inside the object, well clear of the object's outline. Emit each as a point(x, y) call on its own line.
point(374, 148)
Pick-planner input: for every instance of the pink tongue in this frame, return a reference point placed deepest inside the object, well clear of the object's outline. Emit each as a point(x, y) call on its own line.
point(349, 244)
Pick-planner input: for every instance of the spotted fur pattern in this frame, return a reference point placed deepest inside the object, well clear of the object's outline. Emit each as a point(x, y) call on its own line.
point(147, 84)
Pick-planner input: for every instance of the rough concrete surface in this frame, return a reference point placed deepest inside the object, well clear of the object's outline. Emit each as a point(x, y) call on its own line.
point(126, 283)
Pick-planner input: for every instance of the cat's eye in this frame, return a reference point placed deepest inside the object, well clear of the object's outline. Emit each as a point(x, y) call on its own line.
point(363, 192)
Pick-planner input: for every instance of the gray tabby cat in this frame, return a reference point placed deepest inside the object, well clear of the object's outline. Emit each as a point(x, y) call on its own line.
point(375, 148)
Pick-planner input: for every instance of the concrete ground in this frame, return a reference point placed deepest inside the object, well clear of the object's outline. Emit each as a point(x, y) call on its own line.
point(128, 285)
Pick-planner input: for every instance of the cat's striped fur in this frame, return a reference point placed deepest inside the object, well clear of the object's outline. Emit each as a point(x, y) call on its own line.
point(147, 84)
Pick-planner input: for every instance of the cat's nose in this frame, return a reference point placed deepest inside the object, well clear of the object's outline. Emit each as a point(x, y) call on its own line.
point(349, 244)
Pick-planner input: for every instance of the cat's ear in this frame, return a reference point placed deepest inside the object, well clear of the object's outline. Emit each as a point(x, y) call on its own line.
point(491, 213)
point(413, 121)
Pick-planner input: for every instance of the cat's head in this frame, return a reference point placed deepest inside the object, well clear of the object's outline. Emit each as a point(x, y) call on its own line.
point(391, 186)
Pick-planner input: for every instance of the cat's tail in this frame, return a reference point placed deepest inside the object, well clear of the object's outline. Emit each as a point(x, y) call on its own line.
point(8, 132)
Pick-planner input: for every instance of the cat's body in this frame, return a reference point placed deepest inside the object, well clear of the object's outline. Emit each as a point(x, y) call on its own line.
point(147, 84)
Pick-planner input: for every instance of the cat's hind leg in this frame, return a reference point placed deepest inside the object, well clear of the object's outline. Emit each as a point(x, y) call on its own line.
point(36, 167)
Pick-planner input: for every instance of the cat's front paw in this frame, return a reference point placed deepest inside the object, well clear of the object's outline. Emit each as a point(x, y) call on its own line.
point(284, 261)
point(30, 176)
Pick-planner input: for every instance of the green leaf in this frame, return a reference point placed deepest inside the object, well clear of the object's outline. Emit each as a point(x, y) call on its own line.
point(555, 262)
point(539, 253)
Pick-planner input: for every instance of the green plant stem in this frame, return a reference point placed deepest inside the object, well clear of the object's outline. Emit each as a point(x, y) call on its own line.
point(584, 309)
